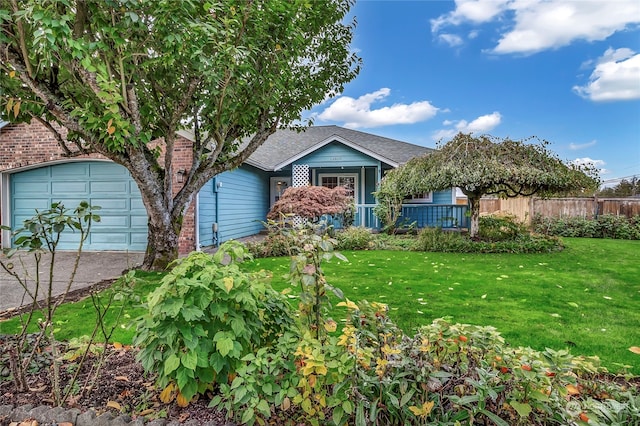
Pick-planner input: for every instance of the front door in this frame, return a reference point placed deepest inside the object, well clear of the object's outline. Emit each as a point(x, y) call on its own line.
point(278, 185)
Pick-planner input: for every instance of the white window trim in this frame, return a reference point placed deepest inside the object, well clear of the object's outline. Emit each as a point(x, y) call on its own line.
point(353, 175)
point(418, 200)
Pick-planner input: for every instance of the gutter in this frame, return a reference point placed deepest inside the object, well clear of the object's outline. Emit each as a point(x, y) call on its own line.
point(196, 222)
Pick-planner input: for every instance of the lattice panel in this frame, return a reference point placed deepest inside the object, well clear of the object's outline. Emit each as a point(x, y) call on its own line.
point(300, 175)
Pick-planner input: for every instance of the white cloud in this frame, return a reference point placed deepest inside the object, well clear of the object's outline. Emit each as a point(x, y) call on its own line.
point(586, 161)
point(357, 113)
point(480, 125)
point(450, 39)
point(537, 25)
point(576, 146)
point(477, 11)
point(615, 77)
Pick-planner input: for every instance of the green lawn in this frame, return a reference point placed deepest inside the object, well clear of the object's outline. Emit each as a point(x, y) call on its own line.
point(586, 297)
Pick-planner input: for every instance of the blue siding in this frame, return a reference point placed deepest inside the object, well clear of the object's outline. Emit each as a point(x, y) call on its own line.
point(207, 213)
point(243, 197)
point(123, 224)
point(371, 177)
point(337, 155)
point(442, 197)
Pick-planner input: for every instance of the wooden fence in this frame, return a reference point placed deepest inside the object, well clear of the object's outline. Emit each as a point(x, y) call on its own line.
point(524, 208)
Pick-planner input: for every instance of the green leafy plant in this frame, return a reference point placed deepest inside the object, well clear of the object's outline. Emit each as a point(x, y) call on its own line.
point(354, 238)
point(438, 240)
point(500, 227)
point(306, 272)
point(604, 226)
point(280, 240)
point(206, 315)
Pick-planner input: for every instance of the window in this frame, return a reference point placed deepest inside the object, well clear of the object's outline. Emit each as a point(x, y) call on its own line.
point(425, 197)
point(346, 180)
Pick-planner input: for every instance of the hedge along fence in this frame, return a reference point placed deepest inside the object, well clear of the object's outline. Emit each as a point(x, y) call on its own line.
point(525, 208)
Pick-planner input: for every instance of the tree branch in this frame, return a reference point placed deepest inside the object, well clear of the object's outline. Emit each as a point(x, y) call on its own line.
point(22, 40)
point(61, 141)
point(134, 109)
point(82, 12)
point(184, 102)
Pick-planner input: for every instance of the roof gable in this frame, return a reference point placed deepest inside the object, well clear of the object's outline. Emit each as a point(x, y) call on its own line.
point(286, 146)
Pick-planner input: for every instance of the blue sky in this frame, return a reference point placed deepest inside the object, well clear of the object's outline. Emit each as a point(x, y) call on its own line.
point(565, 71)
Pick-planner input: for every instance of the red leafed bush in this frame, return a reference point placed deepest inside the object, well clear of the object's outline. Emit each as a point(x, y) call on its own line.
point(311, 202)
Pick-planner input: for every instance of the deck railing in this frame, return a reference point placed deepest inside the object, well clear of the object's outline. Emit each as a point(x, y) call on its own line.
point(418, 215)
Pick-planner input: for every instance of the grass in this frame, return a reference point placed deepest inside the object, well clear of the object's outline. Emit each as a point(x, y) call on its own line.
point(586, 297)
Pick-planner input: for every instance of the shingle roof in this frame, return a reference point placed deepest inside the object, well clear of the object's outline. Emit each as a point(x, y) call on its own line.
point(286, 146)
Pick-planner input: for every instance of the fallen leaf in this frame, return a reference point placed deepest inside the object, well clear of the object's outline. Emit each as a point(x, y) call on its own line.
point(286, 404)
point(484, 296)
point(635, 349)
point(114, 404)
point(38, 389)
point(145, 412)
point(122, 378)
point(117, 345)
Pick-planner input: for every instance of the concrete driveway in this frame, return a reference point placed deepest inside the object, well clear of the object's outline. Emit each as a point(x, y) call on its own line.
point(93, 268)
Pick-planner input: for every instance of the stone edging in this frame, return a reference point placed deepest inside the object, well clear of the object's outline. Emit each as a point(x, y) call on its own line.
point(58, 416)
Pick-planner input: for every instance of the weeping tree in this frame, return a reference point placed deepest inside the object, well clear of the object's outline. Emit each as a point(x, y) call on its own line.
point(121, 77)
point(486, 165)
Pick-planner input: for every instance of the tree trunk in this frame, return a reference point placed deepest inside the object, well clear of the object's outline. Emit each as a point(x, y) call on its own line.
point(162, 244)
point(474, 206)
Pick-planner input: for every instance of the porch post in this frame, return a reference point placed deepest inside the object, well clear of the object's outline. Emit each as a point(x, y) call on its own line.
point(363, 200)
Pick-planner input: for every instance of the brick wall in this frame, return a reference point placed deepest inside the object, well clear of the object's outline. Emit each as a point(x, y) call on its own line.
point(23, 145)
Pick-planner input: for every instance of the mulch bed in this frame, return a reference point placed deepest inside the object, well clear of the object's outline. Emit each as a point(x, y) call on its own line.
point(121, 387)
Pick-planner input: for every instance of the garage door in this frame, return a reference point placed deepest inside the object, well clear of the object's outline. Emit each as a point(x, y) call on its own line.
point(123, 224)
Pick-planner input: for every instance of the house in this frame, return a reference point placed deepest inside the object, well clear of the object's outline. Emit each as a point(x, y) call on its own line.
point(34, 173)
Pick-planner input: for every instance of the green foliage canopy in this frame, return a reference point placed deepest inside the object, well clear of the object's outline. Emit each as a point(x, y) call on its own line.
point(120, 77)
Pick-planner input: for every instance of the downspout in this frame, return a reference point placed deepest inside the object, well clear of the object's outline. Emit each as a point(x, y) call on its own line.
point(196, 222)
point(5, 236)
point(216, 226)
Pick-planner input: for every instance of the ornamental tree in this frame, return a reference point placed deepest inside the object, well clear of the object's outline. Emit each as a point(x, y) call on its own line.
point(312, 202)
point(120, 78)
point(486, 165)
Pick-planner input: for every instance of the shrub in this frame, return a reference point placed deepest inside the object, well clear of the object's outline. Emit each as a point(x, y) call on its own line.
point(205, 316)
point(437, 240)
point(275, 244)
point(445, 374)
point(355, 238)
point(605, 226)
point(500, 227)
point(313, 202)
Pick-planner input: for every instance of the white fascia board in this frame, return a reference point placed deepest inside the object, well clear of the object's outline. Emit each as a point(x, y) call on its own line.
point(336, 139)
